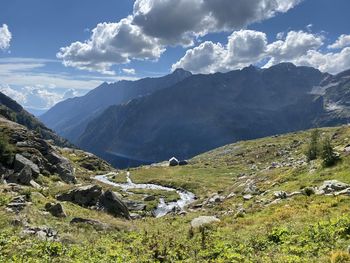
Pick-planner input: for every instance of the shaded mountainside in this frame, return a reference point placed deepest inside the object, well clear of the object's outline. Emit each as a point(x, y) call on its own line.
point(207, 111)
point(12, 111)
point(69, 118)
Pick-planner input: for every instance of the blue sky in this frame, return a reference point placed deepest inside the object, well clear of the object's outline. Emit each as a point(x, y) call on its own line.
point(153, 37)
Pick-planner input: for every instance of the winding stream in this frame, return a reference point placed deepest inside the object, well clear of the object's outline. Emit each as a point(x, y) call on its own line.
point(163, 208)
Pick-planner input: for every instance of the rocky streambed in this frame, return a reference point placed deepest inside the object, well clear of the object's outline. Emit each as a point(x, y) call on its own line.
point(163, 208)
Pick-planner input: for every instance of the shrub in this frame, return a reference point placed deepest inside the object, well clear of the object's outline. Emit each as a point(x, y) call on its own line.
point(329, 157)
point(313, 147)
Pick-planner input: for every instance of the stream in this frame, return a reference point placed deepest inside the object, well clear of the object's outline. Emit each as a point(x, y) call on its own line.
point(163, 207)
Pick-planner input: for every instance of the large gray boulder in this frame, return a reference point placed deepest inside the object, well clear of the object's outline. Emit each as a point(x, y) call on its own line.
point(85, 196)
point(24, 177)
point(21, 162)
point(113, 205)
point(55, 209)
point(63, 167)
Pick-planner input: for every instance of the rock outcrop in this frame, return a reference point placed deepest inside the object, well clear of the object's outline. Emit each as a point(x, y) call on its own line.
point(86, 196)
point(92, 196)
point(113, 205)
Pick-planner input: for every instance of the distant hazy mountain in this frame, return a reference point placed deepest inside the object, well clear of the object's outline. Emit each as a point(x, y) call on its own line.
point(206, 111)
point(11, 110)
point(70, 117)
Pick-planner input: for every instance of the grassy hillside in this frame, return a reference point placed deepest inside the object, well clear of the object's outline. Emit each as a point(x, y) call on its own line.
point(255, 228)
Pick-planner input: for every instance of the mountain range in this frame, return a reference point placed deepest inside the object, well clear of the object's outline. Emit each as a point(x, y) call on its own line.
point(150, 120)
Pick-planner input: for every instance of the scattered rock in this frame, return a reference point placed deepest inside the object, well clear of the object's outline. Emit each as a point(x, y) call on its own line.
point(135, 216)
point(204, 220)
point(17, 204)
point(216, 199)
point(332, 186)
point(55, 209)
point(85, 196)
point(231, 195)
point(135, 206)
point(280, 195)
point(247, 197)
point(94, 223)
point(111, 203)
point(173, 162)
point(44, 233)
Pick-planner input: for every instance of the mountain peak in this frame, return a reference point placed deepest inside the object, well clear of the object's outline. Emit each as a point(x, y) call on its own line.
point(181, 72)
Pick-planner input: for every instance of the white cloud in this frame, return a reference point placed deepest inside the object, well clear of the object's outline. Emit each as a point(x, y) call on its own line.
point(178, 22)
point(5, 37)
point(111, 43)
point(130, 71)
point(247, 47)
point(342, 41)
point(156, 24)
point(296, 44)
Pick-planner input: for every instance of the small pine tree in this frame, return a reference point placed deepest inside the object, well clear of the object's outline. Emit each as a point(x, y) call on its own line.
point(313, 147)
point(329, 157)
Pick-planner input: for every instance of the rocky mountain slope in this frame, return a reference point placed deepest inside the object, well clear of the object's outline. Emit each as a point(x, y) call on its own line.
point(207, 111)
point(69, 118)
point(11, 110)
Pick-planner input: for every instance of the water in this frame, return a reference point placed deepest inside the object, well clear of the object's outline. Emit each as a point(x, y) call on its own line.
point(163, 208)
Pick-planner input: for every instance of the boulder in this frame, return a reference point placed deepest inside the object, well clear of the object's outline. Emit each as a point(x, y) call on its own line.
point(204, 220)
point(280, 195)
point(247, 197)
point(17, 204)
point(21, 162)
point(55, 209)
point(135, 206)
point(332, 186)
point(216, 198)
point(43, 233)
point(173, 162)
point(63, 167)
point(113, 205)
point(85, 196)
point(24, 177)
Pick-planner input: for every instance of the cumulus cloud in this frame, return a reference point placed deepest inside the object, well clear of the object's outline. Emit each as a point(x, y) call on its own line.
point(5, 37)
point(247, 47)
point(342, 41)
point(111, 43)
point(178, 22)
point(156, 24)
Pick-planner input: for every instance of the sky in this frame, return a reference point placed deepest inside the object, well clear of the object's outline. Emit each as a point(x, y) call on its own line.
point(54, 50)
